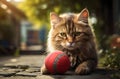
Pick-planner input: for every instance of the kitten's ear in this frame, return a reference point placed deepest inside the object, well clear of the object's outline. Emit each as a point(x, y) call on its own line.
point(83, 15)
point(54, 18)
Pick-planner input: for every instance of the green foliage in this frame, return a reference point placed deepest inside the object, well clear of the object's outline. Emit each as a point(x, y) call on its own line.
point(112, 58)
point(39, 10)
point(109, 55)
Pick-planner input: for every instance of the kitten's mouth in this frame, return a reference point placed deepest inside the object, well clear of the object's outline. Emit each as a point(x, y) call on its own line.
point(70, 47)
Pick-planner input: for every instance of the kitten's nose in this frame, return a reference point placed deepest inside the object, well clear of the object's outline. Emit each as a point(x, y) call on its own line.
point(69, 44)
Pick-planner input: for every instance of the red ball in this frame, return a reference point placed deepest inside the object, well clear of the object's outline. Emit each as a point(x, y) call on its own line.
point(57, 62)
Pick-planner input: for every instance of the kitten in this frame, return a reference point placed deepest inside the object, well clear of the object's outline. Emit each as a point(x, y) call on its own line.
point(72, 34)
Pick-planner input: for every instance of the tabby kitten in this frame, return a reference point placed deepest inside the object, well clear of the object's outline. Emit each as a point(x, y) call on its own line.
point(72, 34)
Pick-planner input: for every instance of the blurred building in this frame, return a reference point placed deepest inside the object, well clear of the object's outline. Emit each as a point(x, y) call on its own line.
point(10, 20)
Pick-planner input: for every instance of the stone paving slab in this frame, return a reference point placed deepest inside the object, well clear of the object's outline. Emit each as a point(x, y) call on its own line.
point(15, 66)
point(33, 70)
point(18, 77)
point(28, 74)
point(6, 74)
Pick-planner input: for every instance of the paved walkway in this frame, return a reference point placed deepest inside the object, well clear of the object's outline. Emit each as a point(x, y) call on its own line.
point(28, 67)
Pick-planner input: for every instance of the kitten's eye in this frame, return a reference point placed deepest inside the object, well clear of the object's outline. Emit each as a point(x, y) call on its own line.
point(77, 33)
point(63, 34)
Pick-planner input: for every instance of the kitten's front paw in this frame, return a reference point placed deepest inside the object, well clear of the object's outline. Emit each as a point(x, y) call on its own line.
point(82, 70)
point(44, 70)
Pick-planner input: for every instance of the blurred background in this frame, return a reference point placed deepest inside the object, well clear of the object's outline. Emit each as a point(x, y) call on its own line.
point(24, 25)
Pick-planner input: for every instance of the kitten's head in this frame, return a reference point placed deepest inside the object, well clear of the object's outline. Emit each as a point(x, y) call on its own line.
point(69, 31)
